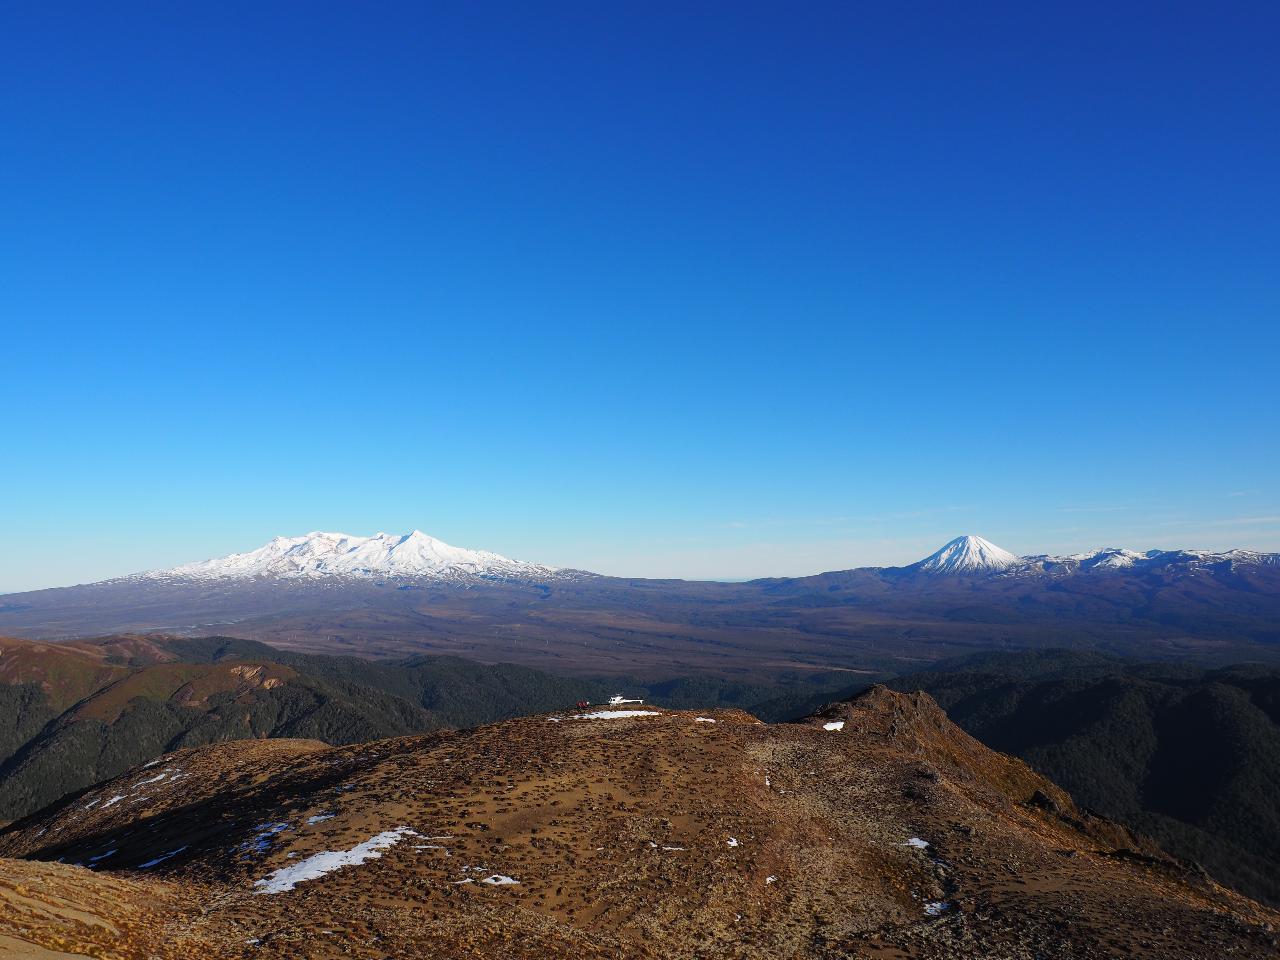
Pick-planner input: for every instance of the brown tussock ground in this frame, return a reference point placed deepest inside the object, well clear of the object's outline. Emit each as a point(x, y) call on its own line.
point(649, 837)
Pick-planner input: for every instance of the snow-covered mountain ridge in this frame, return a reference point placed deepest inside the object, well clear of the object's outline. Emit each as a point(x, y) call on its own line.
point(974, 556)
point(411, 555)
point(416, 556)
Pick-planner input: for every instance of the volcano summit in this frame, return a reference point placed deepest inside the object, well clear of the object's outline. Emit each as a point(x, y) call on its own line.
point(317, 554)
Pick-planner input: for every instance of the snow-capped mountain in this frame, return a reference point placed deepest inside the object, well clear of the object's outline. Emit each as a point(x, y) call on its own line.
point(1118, 560)
point(974, 556)
point(394, 596)
point(411, 555)
point(968, 555)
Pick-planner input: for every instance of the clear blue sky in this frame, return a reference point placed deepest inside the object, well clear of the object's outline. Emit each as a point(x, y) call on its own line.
point(742, 290)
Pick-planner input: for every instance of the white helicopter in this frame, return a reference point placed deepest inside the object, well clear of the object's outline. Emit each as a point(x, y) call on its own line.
point(618, 699)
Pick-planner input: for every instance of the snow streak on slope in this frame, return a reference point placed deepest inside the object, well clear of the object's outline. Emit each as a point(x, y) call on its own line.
point(338, 554)
point(968, 555)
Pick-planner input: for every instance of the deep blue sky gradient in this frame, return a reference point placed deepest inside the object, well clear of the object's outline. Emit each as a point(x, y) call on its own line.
point(743, 290)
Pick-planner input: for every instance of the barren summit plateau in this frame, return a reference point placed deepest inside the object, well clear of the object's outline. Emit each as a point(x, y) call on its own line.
point(875, 828)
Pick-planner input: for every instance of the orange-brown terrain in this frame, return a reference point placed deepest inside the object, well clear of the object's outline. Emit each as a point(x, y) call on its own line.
point(874, 829)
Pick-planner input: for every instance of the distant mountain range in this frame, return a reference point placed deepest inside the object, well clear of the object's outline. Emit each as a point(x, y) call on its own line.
point(417, 556)
point(974, 556)
point(398, 595)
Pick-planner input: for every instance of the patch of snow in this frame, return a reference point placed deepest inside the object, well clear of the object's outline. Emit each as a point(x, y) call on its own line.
point(935, 908)
point(102, 856)
point(327, 861)
point(114, 800)
point(732, 842)
point(498, 880)
point(917, 843)
point(319, 818)
point(161, 859)
point(704, 720)
point(770, 879)
point(834, 725)
point(261, 840)
point(616, 714)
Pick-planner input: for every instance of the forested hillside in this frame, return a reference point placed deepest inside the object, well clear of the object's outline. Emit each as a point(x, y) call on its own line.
point(1188, 756)
point(74, 714)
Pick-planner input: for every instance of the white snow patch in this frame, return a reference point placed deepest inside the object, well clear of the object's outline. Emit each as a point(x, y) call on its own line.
point(917, 843)
point(732, 842)
point(770, 879)
point(261, 840)
point(498, 880)
point(161, 859)
point(319, 818)
point(834, 725)
point(328, 861)
point(616, 714)
point(935, 908)
point(114, 800)
point(704, 720)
